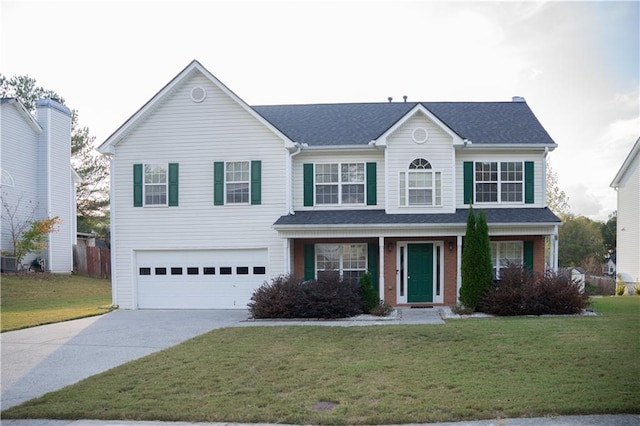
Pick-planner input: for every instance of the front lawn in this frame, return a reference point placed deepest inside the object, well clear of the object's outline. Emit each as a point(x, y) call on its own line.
point(32, 299)
point(466, 369)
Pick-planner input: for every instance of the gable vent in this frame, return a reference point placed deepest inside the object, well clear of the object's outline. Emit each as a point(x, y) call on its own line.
point(198, 94)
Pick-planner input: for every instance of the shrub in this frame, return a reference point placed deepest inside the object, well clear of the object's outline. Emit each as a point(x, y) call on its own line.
point(621, 289)
point(370, 298)
point(289, 297)
point(522, 292)
point(383, 309)
point(276, 299)
point(636, 289)
point(477, 269)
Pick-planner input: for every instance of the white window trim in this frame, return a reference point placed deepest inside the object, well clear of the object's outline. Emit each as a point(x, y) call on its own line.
point(498, 244)
point(144, 184)
point(499, 183)
point(434, 195)
point(340, 184)
point(226, 182)
point(341, 259)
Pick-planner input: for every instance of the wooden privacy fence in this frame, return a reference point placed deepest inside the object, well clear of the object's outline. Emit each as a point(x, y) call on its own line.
point(92, 261)
point(605, 285)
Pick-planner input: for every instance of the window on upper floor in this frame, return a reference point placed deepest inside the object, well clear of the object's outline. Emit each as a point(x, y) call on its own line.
point(498, 182)
point(335, 184)
point(420, 185)
point(237, 182)
point(155, 184)
point(340, 183)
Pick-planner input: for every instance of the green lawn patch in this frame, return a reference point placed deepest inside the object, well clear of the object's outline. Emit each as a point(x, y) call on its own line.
point(34, 299)
point(463, 370)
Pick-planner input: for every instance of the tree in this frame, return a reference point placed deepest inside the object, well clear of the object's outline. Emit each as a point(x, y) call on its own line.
point(27, 234)
point(92, 193)
point(477, 269)
point(580, 242)
point(609, 235)
point(557, 200)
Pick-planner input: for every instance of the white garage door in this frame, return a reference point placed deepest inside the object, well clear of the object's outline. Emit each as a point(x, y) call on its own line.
point(199, 279)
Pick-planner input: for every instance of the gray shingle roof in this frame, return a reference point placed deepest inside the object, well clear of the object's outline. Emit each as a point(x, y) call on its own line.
point(379, 217)
point(360, 123)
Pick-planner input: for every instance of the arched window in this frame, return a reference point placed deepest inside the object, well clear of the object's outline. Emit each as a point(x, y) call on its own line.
point(420, 185)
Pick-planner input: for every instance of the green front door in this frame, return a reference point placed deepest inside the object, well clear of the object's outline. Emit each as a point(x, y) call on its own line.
point(419, 273)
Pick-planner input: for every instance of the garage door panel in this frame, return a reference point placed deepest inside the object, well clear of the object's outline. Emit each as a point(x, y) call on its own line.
point(188, 279)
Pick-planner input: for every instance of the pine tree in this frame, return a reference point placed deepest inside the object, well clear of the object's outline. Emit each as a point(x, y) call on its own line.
point(485, 265)
point(477, 269)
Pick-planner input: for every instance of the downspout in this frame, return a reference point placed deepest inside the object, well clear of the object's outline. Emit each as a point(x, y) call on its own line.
point(290, 177)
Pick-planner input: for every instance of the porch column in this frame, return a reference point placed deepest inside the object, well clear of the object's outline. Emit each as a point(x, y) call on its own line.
point(286, 246)
point(554, 249)
point(381, 267)
point(458, 266)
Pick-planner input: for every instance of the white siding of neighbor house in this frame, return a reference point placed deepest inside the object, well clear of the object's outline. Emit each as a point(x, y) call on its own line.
point(628, 224)
point(402, 150)
point(195, 135)
point(18, 153)
point(470, 154)
point(55, 174)
point(370, 155)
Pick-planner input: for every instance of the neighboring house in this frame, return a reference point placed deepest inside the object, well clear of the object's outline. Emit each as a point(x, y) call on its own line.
point(627, 184)
point(609, 267)
point(37, 178)
point(211, 197)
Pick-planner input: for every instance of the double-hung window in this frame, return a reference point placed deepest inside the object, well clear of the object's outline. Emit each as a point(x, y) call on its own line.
point(155, 184)
point(237, 182)
point(350, 260)
point(499, 182)
point(504, 253)
point(420, 185)
point(340, 183)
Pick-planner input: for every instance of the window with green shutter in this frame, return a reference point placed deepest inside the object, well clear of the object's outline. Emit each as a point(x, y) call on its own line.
point(372, 190)
point(237, 182)
point(155, 184)
point(307, 171)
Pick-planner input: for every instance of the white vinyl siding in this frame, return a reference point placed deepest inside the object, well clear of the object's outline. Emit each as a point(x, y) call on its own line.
point(628, 224)
point(196, 135)
point(437, 150)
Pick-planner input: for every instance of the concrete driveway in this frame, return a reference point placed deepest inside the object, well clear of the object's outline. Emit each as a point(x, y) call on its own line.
point(47, 358)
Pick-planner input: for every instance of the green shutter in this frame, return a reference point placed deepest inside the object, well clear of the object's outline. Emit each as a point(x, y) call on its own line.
point(137, 185)
point(372, 260)
point(309, 262)
point(218, 183)
point(527, 255)
point(468, 182)
point(528, 182)
point(371, 184)
point(308, 184)
point(256, 182)
point(173, 184)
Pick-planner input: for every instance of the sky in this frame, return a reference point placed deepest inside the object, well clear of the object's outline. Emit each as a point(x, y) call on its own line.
point(576, 63)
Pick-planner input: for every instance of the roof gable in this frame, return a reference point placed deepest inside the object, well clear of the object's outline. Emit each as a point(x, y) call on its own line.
point(484, 123)
point(626, 164)
point(107, 146)
point(28, 117)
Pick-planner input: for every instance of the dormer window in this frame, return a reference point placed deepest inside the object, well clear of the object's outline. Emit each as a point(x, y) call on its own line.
point(420, 185)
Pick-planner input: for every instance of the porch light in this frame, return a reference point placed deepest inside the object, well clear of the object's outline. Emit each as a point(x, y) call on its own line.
point(450, 245)
point(389, 247)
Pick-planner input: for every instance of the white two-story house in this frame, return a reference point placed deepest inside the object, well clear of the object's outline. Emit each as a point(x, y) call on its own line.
point(37, 179)
point(212, 197)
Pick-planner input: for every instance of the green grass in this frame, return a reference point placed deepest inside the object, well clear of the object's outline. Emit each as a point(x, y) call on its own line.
point(34, 299)
point(466, 369)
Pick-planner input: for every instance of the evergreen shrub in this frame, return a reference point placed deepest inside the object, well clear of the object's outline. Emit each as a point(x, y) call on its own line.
point(370, 299)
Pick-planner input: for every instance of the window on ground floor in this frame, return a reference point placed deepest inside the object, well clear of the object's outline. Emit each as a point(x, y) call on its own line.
point(503, 253)
point(350, 260)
